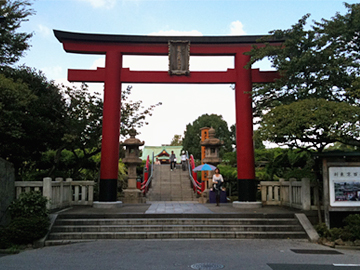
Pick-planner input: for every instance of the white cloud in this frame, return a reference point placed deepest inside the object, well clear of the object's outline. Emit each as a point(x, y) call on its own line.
point(101, 3)
point(237, 29)
point(44, 30)
point(53, 72)
point(176, 33)
point(100, 62)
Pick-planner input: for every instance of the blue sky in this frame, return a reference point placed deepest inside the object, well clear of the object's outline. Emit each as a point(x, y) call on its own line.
point(182, 104)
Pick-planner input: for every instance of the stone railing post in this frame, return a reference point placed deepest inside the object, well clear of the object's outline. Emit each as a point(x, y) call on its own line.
point(263, 193)
point(69, 193)
point(59, 191)
point(282, 191)
point(47, 190)
point(291, 195)
point(276, 193)
point(305, 194)
point(91, 194)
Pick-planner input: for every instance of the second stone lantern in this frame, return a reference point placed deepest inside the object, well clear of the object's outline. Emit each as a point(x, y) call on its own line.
point(212, 148)
point(132, 194)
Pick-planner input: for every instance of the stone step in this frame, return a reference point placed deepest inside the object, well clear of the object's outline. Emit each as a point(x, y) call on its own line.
point(170, 228)
point(170, 185)
point(70, 228)
point(176, 221)
point(192, 216)
point(174, 235)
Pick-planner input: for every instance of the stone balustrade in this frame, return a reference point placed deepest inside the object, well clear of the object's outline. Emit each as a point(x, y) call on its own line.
point(59, 192)
point(297, 194)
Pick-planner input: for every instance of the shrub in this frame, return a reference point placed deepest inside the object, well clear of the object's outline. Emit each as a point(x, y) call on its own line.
point(4, 239)
point(29, 220)
point(29, 204)
point(330, 234)
point(336, 233)
point(25, 230)
point(322, 230)
point(350, 232)
point(353, 226)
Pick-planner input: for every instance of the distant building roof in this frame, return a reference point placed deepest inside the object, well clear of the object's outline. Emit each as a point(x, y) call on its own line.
point(157, 150)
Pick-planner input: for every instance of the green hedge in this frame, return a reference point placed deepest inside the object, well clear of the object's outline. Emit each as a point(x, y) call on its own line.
point(350, 232)
point(29, 204)
point(29, 220)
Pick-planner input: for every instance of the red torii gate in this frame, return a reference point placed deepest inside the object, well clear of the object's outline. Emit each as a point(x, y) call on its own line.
point(113, 75)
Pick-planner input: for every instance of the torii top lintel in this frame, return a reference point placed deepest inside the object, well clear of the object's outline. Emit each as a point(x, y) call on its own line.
point(85, 43)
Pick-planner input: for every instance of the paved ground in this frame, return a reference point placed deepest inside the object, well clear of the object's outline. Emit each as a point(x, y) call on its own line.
point(177, 207)
point(183, 254)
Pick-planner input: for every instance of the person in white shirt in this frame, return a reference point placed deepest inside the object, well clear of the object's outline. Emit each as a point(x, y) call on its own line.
point(217, 183)
point(183, 160)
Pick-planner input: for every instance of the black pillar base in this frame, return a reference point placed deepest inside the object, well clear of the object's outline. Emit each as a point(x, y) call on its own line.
point(247, 189)
point(108, 190)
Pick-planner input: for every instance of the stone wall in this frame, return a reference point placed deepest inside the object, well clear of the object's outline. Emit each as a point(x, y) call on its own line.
point(7, 189)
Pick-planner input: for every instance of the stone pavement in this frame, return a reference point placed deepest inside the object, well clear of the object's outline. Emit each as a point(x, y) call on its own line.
point(173, 207)
point(177, 208)
point(242, 254)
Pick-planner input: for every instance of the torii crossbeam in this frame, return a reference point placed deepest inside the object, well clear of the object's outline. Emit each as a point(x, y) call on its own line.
point(113, 75)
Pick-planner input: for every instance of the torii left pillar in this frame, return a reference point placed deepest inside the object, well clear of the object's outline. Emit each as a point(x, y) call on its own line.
point(111, 128)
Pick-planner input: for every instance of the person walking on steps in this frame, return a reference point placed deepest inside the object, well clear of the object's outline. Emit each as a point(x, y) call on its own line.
point(217, 183)
point(183, 160)
point(172, 161)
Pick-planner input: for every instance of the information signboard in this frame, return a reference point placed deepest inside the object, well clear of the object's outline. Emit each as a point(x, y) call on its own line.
point(344, 185)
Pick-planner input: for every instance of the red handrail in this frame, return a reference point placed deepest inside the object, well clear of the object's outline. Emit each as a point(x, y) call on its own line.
point(146, 175)
point(197, 186)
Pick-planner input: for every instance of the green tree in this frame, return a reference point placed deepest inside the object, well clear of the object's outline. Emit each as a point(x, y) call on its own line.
point(192, 134)
point(31, 116)
point(311, 124)
point(176, 140)
point(320, 63)
point(78, 154)
point(12, 43)
point(274, 163)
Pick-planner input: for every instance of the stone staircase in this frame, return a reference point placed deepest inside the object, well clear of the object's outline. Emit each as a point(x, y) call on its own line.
point(79, 228)
point(169, 185)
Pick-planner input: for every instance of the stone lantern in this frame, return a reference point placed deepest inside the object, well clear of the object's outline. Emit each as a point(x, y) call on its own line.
point(212, 148)
point(132, 194)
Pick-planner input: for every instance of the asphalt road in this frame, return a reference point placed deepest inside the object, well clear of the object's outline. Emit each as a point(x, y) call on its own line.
point(184, 255)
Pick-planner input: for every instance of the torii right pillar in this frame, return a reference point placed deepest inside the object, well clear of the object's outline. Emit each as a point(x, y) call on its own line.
point(247, 184)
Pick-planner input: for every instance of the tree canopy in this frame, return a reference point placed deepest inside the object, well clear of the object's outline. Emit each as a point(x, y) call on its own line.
point(12, 43)
point(192, 134)
point(176, 140)
point(31, 116)
point(318, 90)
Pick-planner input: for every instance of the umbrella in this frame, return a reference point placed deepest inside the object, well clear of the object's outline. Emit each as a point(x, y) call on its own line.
point(204, 167)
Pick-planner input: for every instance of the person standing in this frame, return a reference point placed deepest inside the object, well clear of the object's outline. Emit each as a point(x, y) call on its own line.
point(183, 160)
point(217, 183)
point(172, 161)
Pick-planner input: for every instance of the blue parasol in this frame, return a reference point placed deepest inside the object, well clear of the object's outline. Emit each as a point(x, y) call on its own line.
point(204, 167)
